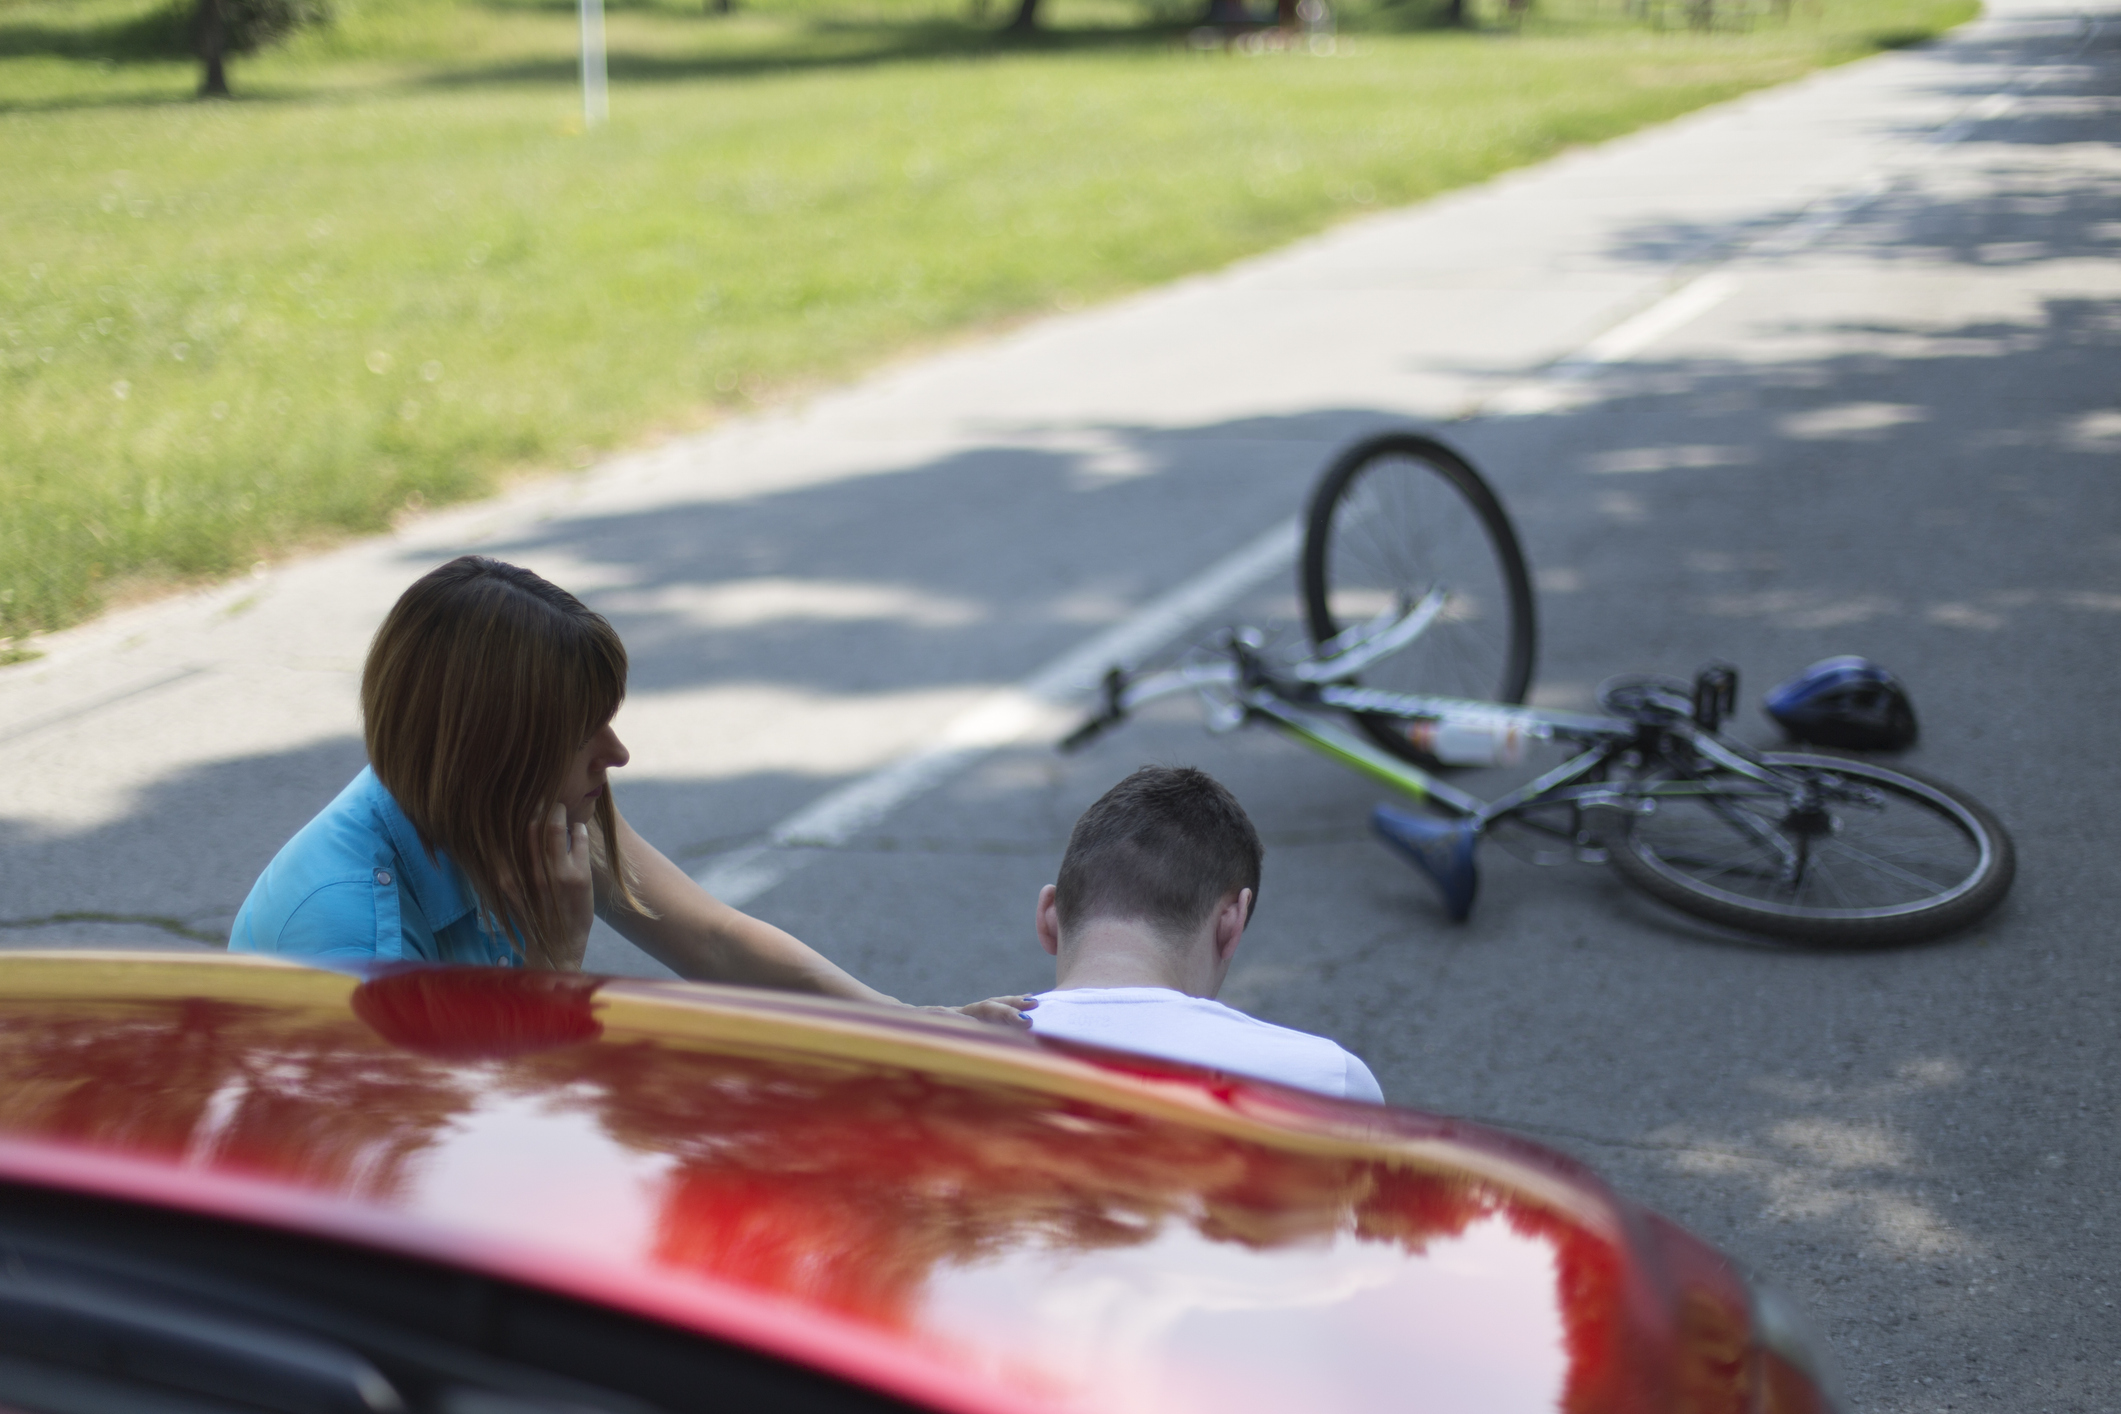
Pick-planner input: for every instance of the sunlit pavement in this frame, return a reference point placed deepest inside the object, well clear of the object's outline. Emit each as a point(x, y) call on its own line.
point(1891, 426)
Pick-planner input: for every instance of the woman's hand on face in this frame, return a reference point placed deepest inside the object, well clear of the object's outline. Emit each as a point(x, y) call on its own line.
point(567, 866)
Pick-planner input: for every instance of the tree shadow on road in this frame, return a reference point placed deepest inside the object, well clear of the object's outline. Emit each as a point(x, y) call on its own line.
point(2060, 104)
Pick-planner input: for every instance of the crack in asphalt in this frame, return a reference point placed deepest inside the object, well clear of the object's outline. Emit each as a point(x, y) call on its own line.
point(176, 926)
point(75, 711)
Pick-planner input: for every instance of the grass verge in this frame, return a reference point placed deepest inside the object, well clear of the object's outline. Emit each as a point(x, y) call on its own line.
point(395, 269)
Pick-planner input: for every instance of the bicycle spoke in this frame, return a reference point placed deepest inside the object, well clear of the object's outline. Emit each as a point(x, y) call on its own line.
point(1711, 863)
point(1831, 885)
point(1915, 881)
point(1712, 870)
point(1915, 847)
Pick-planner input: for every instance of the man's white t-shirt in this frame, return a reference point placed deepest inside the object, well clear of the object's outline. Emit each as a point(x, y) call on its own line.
point(1157, 1021)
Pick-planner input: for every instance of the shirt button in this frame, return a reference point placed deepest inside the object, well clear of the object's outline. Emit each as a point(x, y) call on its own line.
point(383, 876)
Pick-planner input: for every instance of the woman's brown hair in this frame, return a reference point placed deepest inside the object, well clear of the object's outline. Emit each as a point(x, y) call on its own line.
point(481, 685)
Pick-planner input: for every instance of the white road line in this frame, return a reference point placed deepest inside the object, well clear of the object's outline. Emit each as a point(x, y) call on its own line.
point(1822, 217)
point(1033, 709)
point(1549, 390)
point(1996, 105)
point(1631, 336)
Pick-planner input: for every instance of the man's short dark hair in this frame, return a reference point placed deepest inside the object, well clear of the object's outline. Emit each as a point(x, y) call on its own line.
point(1164, 846)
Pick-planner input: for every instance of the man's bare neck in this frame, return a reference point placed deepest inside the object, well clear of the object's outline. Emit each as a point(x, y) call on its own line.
point(1127, 953)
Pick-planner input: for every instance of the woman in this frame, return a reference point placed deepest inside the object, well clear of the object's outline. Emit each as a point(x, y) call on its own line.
point(487, 703)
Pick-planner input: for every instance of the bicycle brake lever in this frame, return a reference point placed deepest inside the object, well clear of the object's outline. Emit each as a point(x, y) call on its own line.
point(1082, 736)
point(1111, 711)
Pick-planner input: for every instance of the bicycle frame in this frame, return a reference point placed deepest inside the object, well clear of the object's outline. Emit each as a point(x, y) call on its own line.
point(1307, 700)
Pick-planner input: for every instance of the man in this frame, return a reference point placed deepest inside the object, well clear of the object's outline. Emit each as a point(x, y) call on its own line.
point(1155, 890)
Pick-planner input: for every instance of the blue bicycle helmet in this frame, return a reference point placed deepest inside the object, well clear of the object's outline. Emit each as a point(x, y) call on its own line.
point(1847, 702)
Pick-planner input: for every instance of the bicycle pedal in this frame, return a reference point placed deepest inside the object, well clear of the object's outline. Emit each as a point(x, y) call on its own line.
point(1441, 849)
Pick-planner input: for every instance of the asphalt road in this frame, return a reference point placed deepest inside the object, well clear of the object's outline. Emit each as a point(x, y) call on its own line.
point(1894, 431)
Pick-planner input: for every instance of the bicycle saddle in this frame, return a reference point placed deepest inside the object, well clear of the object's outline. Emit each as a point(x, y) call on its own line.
point(1442, 849)
point(1646, 698)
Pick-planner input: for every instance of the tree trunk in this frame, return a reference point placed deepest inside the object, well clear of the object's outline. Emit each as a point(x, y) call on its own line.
point(211, 33)
point(1454, 12)
point(1026, 17)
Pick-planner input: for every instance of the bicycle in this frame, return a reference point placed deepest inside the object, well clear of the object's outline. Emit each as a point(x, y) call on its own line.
point(1420, 635)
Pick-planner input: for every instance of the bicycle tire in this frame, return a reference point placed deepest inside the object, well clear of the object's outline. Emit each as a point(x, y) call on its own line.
point(1392, 518)
point(1950, 862)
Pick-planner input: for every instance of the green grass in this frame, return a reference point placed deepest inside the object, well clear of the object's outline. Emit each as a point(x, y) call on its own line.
point(396, 271)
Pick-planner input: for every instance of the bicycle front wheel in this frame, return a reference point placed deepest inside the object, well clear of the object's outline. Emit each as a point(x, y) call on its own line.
point(1399, 520)
point(1835, 852)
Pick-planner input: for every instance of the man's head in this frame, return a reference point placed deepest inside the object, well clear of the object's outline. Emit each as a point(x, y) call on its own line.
point(1165, 858)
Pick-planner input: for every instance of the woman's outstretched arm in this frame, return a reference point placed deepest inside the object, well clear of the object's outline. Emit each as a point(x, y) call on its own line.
point(698, 936)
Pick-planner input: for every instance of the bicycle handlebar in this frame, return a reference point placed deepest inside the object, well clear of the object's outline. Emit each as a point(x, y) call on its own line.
point(1120, 692)
point(1357, 648)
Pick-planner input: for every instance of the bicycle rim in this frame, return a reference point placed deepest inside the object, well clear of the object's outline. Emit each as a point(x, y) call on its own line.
point(1891, 857)
point(1400, 518)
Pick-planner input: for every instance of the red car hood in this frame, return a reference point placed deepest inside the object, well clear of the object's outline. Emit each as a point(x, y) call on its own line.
point(967, 1218)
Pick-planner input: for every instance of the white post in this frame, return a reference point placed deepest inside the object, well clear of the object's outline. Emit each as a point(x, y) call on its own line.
point(596, 106)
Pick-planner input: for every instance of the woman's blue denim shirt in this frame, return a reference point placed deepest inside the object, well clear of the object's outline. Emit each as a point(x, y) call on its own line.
point(355, 883)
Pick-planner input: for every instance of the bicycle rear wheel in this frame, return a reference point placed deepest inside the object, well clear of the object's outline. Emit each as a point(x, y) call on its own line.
point(1397, 519)
point(1848, 854)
